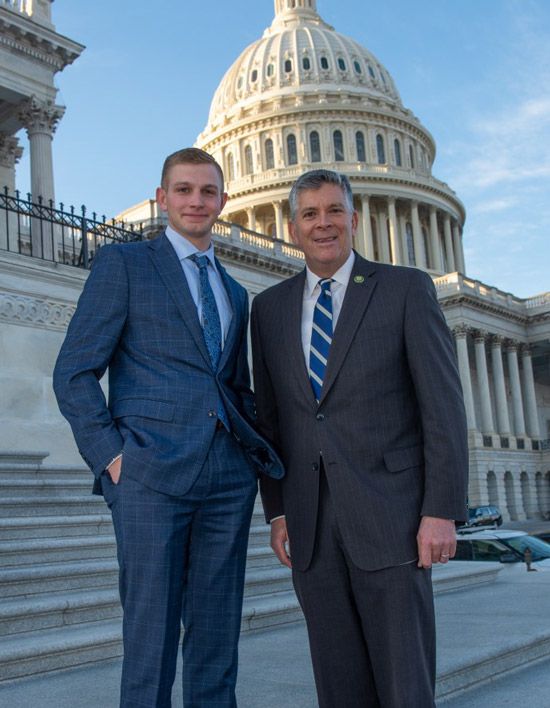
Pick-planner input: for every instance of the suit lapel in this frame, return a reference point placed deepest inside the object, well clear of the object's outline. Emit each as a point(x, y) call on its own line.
point(358, 294)
point(233, 294)
point(292, 333)
point(169, 268)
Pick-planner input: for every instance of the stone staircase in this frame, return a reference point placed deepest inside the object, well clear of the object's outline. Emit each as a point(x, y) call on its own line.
point(59, 604)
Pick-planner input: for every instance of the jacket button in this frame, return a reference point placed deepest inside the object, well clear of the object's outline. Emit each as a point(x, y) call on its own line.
point(320, 416)
point(315, 467)
point(211, 414)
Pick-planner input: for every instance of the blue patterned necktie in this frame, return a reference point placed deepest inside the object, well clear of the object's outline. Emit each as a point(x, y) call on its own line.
point(211, 326)
point(321, 337)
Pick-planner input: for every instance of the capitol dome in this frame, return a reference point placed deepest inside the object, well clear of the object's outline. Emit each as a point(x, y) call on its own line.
point(304, 96)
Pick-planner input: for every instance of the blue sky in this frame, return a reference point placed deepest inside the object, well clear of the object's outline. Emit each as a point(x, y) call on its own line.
point(476, 73)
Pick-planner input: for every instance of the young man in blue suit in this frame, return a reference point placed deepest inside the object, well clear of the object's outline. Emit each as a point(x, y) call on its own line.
point(173, 450)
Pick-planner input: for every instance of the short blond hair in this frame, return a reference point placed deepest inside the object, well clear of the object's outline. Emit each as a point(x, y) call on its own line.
point(188, 156)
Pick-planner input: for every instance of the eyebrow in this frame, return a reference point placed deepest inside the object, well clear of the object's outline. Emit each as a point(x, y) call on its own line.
point(193, 184)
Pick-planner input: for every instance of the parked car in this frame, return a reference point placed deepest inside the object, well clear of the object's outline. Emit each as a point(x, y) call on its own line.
point(501, 545)
point(484, 516)
point(543, 535)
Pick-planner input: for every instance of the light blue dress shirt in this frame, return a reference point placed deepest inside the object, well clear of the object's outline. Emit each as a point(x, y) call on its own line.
point(184, 249)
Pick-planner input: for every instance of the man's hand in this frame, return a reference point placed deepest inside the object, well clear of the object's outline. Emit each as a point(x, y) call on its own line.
point(436, 539)
point(279, 541)
point(114, 470)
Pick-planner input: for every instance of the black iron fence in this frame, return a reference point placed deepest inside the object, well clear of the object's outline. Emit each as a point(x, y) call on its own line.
point(42, 230)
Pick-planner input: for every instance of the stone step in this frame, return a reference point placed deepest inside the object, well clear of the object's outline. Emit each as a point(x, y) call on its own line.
point(265, 581)
point(70, 645)
point(29, 527)
point(23, 552)
point(67, 505)
point(58, 578)
point(31, 472)
point(452, 577)
point(40, 486)
point(15, 459)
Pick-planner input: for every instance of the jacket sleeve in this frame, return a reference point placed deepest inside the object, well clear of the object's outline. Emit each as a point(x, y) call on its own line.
point(92, 339)
point(432, 362)
point(267, 418)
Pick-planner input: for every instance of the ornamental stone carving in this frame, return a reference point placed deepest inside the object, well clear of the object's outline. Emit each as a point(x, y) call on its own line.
point(40, 116)
point(35, 312)
point(10, 150)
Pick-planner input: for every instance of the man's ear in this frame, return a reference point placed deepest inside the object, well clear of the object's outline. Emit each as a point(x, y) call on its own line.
point(224, 201)
point(292, 233)
point(161, 198)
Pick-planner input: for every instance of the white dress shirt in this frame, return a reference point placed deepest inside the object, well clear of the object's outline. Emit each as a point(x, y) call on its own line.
point(184, 249)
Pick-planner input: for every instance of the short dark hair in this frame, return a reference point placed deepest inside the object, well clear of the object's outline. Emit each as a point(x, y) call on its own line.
point(314, 179)
point(188, 156)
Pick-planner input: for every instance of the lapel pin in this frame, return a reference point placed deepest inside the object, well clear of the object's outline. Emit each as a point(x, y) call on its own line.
point(358, 279)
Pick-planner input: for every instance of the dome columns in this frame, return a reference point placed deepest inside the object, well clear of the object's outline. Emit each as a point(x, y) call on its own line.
point(449, 251)
point(419, 253)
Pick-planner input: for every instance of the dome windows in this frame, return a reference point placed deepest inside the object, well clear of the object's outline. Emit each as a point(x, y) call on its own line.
point(323, 61)
point(371, 72)
point(306, 64)
point(254, 75)
point(314, 146)
point(357, 67)
point(411, 156)
point(291, 148)
point(269, 154)
point(397, 151)
point(341, 64)
point(360, 146)
point(248, 162)
point(338, 142)
point(230, 167)
point(288, 66)
point(380, 149)
point(270, 69)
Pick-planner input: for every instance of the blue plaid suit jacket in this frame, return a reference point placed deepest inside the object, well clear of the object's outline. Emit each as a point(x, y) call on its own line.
point(137, 318)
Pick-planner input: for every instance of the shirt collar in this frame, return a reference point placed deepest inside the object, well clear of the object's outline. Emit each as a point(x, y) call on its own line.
point(185, 248)
point(341, 276)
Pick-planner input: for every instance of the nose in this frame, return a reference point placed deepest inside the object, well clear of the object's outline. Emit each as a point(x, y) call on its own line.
point(323, 220)
point(196, 198)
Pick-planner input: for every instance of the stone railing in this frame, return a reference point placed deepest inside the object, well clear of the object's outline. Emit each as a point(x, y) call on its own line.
point(454, 283)
point(23, 6)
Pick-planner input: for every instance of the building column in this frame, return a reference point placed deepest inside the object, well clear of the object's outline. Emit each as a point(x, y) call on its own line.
point(367, 245)
point(279, 221)
point(10, 154)
point(419, 255)
point(448, 243)
point(403, 239)
point(531, 412)
point(503, 417)
point(458, 248)
point(383, 237)
point(487, 424)
point(461, 337)
point(394, 233)
point(434, 240)
point(517, 406)
point(251, 218)
point(40, 118)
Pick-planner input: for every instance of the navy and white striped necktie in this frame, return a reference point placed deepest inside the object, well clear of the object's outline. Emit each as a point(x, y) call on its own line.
point(321, 337)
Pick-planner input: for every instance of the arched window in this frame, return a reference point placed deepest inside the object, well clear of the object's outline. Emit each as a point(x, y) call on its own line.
point(306, 63)
point(357, 67)
point(338, 141)
point(254, 75)
point(248, 163)
point(230, 166)
point(410, 243)
point(269, 155)
point(380, 150)
point(324, 62)
point(291, 149)
point(411, 156)
point(397, 150)
point(270, 69)
point(315, 146)
point(341, 64)
point(360, 146)
point(371, 72)
point(288, 65)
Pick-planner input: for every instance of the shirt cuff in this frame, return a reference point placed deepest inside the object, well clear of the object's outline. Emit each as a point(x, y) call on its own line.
point(282, 516)
point(113, 460)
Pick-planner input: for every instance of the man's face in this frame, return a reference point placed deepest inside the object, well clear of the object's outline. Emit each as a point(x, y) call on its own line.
point(193, 199)
point(324, 228)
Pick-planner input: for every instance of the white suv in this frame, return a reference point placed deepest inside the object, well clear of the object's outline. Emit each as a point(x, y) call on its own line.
point(502, 546)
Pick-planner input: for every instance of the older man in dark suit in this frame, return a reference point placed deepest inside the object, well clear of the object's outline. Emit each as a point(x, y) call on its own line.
point(173, 451)
point(357, 388)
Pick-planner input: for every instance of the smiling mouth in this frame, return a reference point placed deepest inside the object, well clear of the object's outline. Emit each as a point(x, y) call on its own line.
point(326, 239)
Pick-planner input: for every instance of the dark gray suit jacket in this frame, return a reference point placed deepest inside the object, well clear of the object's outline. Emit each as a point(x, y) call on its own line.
point(390, 424)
